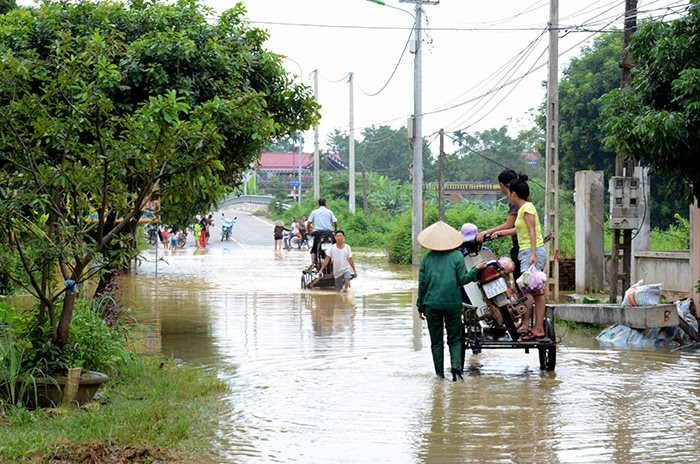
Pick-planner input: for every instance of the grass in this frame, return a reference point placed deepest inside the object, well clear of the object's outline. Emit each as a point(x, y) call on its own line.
point(152, 404)
point(581, 327)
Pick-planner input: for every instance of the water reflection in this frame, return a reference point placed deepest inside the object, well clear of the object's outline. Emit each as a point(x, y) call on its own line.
point(319, 376)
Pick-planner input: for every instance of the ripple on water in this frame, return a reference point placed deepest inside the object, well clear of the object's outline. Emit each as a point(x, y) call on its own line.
point(326, 377)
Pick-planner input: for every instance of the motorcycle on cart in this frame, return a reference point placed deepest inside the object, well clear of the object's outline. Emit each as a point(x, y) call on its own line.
point(311, 277)
point(493, 305)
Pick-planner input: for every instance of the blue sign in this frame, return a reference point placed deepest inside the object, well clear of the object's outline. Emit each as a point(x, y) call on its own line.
point(294, 183)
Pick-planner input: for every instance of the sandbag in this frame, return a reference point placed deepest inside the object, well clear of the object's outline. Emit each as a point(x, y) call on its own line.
point(642, 295)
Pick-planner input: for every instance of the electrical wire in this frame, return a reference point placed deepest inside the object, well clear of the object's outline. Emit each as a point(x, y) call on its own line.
point(490, 77)
point(335, 81)
point(403, 52)
point(505, 77)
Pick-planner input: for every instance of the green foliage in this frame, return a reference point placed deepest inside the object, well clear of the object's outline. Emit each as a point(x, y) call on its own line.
point(484, 216)
point(112, 105)
point(587, 78)
point(94, 345)
point(385, 151)
point(16, 381)
point(656, 120)
point(482, 155)
point(145, 406)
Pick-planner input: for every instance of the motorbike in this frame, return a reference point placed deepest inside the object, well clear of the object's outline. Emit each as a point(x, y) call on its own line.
point(493, 305)
point(310, 277)
point(152, 234)
point(227, 227)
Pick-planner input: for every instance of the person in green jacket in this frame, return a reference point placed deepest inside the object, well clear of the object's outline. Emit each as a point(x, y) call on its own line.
point(442, 272)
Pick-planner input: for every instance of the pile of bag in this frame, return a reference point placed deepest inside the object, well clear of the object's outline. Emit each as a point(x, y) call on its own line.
point(532, 281)
point(642, 295)
point(669, 337)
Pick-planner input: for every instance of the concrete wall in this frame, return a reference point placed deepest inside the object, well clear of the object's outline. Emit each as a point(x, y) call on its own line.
point(670, 268)
point(589, 197)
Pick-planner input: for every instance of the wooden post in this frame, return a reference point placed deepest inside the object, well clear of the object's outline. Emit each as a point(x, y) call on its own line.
point(70, 392)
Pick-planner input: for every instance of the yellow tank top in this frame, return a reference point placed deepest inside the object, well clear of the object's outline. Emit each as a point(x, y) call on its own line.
point(521, 227)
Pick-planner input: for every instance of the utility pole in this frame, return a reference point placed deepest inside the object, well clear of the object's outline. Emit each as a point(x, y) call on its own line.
point(317, 183)
point(365, 205)
point(441, 184)
point(417, 223)
point(623, 167)
point(551, 199)
point(351, 144)
point(301, 143)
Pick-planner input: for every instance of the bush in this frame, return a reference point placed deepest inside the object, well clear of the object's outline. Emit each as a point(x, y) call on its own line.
point(93, 344)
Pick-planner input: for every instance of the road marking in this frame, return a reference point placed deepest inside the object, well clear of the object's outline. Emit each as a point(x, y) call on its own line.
point(262, 220)
point(238, 243)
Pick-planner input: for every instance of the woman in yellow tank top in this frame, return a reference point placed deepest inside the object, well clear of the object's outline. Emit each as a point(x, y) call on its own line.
point(532, 252)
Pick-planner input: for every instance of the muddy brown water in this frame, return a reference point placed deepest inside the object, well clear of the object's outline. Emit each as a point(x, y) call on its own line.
point(318, 376)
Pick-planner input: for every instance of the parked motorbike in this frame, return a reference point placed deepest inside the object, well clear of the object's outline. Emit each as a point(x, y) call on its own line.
point(227, 227)
point(493, 299)
point(492, 307)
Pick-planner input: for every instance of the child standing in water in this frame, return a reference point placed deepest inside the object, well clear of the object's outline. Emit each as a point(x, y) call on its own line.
point(279, 234)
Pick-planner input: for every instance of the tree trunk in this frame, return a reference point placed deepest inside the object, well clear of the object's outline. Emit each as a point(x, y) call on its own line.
point(64, 322)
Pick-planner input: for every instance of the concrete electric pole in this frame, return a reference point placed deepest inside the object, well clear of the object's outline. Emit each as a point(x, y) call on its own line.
point(351, 146)
point(417, 223)
point(623, 168)
point(551, 199)
point(317, 183)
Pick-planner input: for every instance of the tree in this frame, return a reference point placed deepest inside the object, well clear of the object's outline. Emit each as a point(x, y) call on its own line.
point(384, 150)
point(657, 119)
point(106, 107)
point(586, 79)
point(483, 155)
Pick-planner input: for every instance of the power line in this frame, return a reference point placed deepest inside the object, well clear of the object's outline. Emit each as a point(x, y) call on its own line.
point(506, 76)
point(403, 52)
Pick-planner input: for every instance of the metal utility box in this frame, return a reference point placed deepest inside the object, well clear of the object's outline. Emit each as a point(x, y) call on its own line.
point(624, 202)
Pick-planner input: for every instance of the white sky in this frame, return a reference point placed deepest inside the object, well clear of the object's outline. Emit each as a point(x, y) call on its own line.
point(454, 62)
point(458, 65)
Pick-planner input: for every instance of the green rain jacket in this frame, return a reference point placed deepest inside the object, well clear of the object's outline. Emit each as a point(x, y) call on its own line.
point(440, 277)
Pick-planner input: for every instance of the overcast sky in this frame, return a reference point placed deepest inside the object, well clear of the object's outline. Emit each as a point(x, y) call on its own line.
point(469, 48)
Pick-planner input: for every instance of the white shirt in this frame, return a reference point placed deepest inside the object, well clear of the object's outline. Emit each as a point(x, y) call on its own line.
point(341, 259)
point(322, 218)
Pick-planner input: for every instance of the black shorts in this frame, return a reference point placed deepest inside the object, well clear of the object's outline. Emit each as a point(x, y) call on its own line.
point(317, 234)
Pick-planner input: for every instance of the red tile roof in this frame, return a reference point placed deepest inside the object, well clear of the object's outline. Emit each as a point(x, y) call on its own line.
point(287, 160)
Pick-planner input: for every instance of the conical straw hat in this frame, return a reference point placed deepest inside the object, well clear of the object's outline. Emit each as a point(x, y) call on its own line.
point(279, 222)
point(440, 237)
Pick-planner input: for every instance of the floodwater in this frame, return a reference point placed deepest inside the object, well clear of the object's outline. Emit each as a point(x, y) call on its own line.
point(319, 376)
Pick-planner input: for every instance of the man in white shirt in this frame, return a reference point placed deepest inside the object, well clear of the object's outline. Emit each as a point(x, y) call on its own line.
point(341, 255)
point(323, 221)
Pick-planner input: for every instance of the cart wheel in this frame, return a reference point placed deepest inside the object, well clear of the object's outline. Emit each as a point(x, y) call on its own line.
point(508, 322)
point(548, 354)
point(305, 280)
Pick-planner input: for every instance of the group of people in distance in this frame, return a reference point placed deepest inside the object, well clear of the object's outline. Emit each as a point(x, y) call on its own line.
point(285, 237)
point(443, 272)
point(323, 221)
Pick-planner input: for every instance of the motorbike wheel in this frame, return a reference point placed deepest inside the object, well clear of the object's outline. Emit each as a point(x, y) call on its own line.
point(548, 354)
point(508, 322)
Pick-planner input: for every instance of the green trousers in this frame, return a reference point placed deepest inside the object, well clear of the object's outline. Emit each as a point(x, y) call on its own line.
point(438, 321)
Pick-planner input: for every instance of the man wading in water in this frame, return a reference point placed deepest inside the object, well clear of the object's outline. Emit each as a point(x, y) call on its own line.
point(341, 254)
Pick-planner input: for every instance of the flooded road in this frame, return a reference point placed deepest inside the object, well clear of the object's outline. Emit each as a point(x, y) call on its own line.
point(318, 376)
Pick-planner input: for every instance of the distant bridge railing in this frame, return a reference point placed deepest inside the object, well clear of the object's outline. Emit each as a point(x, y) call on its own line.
point(467, 188)
point(254, 199)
